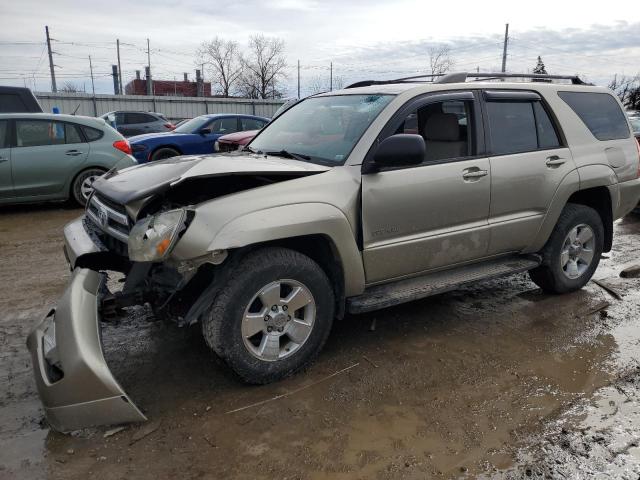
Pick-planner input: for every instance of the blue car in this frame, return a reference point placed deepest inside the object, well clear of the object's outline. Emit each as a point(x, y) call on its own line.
point(196, 136)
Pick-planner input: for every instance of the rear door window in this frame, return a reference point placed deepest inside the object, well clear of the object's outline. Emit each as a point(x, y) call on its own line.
point(512, 127)
point(4, 134)
point(72, 134)
point(136, 117)
point(547, 134)
point(599, 112)
point(34, 133)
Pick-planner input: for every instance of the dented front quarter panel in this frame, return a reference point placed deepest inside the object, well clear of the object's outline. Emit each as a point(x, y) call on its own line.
point(325, 204)
point(87, 394)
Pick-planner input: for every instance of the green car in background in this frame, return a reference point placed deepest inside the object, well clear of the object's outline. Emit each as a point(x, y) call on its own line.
point(47, 157)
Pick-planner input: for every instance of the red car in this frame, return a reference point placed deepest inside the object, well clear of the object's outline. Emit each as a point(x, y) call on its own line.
point(234, 141)
point(237, 140)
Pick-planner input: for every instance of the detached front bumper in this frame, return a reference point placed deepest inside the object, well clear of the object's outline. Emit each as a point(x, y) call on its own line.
point(73, 379)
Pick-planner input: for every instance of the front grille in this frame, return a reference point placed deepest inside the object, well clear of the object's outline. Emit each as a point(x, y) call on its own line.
point(109, 217)
point(227, 147)
point(110, 243)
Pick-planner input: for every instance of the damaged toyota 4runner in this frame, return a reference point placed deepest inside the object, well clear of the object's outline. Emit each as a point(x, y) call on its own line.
point(350, 201)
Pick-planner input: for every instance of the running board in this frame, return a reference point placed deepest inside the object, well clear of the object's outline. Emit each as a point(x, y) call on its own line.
point(401, 291)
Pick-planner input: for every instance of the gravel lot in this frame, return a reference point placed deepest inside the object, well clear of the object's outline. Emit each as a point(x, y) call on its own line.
point(498, 380)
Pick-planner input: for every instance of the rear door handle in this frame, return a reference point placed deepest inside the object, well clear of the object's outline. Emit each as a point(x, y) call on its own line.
point(73, 153)
point(471, 174)
point(555, 161)
point(2, 159)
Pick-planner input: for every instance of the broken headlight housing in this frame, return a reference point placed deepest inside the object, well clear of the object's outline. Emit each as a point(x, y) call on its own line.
point(153, 238)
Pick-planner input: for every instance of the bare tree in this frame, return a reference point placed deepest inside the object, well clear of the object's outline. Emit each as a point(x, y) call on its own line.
point(627, 89)
point(440, 60)
point(319, 84)
point(69, 87)
point(224, 60)
point(263, 68)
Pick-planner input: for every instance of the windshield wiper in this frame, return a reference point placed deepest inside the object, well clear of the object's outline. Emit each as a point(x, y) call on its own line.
point(287, 154)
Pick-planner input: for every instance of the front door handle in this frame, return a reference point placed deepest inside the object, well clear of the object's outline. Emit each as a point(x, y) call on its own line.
point(471, 174)
point(73, 153)
point(555, 161)
point(2, 159)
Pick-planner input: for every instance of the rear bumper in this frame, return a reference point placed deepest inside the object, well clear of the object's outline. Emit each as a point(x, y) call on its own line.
point(73, 379)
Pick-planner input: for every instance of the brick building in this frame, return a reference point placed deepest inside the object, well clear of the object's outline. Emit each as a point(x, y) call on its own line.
point(183, 88)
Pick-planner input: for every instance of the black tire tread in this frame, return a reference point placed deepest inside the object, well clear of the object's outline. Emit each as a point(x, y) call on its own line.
point(547, 276)
point(233, 278)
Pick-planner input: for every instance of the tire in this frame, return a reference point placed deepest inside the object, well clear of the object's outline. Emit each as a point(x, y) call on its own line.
point(230, 334)
point(559, 273)
point(164, 152)
point(81, 186)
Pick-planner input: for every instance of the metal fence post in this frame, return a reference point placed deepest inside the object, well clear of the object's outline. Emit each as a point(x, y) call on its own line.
point(253, 107)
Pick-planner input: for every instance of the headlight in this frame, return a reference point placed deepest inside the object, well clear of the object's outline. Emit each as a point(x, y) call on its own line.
point(152, 239)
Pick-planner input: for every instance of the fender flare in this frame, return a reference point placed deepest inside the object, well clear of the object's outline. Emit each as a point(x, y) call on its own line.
point(302, 219)
point(582, 178)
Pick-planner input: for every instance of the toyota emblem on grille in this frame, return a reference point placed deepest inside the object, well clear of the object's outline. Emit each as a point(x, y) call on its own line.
point(103, 217)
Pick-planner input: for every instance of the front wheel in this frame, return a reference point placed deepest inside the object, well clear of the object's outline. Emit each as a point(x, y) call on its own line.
point(573, 251)
point(272, 316)
point(164, 152)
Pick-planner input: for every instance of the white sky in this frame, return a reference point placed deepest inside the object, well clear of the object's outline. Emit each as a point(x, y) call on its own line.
point(364, 39)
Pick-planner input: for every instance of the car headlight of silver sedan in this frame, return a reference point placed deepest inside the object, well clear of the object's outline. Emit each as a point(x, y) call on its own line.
point(152, 238)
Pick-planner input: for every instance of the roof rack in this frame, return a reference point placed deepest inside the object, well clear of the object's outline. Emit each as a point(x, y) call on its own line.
point(461, 77)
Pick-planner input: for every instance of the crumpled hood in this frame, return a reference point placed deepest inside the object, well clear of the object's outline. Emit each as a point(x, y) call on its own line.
point(152, 178)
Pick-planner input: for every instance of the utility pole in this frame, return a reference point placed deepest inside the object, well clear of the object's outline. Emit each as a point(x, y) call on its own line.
point(114, 74)
point(331, 77)
point(298, 79)
point(119, 67)
point(54, 89)
point(149, 79)
point(93, 89)
point(504, 50)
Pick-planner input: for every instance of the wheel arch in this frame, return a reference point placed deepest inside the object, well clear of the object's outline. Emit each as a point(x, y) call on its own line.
point(171, 146)
point(598, 198)
point(69, 188)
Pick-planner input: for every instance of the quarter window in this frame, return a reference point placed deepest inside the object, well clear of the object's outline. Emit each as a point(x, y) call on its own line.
point(92, 134)
point(599, 112)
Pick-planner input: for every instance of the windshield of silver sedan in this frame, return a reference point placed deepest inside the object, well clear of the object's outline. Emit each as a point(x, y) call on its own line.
point(320, 129)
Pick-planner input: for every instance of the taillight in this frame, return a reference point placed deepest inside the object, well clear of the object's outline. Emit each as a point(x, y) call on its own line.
point(170, 126)
point(123, 146)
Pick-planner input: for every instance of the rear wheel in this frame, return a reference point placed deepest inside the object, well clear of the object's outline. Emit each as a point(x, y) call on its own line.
point(573, 251)
point(164, 152)
point(272, 316)
point(83, 185)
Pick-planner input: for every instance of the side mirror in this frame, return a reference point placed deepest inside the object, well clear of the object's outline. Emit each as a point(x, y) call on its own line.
point(400, 150)
point(205, 131)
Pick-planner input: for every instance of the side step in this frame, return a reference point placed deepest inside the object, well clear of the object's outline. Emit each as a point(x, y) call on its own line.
point(401, 291)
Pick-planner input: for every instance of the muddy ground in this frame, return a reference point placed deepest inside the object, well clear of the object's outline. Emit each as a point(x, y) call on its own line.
point(498, 380)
